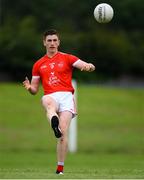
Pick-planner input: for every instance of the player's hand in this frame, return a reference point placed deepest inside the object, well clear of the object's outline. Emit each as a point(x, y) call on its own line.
point(26, 83)
point(91, 67)
point(88, 67)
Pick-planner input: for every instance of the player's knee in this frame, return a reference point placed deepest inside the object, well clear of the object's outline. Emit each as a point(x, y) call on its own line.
point(63, 139)
point(63, 130)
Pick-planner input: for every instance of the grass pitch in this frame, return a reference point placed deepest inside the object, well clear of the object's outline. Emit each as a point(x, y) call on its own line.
point(110, 135)
point(34, 165)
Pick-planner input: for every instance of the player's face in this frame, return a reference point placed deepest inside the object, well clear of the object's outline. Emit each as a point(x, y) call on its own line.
point(51, 43)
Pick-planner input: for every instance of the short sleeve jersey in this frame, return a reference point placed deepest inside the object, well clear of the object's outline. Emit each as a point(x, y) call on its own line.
point(55, 73)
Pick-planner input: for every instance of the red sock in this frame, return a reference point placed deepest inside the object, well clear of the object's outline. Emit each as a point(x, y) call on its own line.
point(60, 168)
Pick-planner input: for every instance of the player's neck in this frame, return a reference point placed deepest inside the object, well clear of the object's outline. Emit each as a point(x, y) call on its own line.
point(51, 54)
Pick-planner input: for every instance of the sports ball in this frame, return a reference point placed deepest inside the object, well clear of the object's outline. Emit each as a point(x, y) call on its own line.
point(103, 13)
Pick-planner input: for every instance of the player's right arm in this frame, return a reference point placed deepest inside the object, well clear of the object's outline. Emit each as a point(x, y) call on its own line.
point(32, 86)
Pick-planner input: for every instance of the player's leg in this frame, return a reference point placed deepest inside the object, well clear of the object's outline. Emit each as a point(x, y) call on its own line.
point(51, 107)
point(62, 144)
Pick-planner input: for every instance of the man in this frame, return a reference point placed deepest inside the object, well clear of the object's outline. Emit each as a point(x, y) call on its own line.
point(54, 69)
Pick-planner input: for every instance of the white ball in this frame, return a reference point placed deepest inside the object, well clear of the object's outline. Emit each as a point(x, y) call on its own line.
point(103, 13)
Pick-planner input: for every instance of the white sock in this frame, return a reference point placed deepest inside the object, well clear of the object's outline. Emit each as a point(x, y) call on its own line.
point(60, 163)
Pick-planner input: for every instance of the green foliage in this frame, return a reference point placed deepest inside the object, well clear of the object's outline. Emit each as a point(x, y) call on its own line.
point(115, 48)
point(20, 44)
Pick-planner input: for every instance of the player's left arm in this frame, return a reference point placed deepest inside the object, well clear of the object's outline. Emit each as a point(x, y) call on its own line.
point(84, 66)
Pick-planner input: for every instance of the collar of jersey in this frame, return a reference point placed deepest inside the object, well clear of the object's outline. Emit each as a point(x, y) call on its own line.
point(52, 56)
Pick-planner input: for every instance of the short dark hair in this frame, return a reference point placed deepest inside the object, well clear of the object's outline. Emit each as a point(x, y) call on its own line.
point(50, 32)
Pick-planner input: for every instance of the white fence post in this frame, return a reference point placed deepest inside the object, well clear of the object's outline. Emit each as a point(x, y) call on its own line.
point(72, 143)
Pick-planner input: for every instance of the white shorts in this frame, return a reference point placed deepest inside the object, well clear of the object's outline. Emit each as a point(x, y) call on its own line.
point(65, 101)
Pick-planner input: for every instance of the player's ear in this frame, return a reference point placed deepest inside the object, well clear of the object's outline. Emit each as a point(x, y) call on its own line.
point(58, 42)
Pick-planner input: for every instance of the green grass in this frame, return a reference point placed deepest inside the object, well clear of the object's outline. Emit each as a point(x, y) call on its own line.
point(80, 166)
point(110, 135)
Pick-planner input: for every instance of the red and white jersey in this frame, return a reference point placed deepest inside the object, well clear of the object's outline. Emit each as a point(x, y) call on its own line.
point(55, 72)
